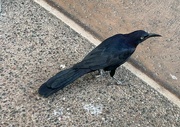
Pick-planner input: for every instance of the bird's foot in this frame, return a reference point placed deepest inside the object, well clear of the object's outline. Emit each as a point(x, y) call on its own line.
point(102, 73)
point(118, 82)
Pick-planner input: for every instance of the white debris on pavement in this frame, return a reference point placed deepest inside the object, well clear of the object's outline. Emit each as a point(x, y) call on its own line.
point(173, 77)
point(62, 66)
point(58, 112)
point(93, 109)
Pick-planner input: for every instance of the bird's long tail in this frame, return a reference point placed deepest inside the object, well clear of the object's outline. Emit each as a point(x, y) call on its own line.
point(60, 80)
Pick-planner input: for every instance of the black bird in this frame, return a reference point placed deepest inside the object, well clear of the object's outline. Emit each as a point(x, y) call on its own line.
point(109, 55)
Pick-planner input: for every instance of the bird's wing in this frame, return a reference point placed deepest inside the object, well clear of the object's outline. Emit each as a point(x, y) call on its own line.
point(101, 58)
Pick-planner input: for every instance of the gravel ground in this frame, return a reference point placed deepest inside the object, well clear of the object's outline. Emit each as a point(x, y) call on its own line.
point(35, 45)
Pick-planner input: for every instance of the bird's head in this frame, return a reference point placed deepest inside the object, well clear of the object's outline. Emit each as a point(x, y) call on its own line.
point(139, 36)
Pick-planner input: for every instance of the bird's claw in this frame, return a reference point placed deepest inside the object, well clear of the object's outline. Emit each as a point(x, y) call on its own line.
point(118, 82)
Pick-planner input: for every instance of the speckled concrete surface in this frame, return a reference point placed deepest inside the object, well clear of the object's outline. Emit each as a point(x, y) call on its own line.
point(34, 46)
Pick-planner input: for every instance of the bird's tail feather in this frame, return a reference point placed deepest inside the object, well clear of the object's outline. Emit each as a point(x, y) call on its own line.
point(60, 80)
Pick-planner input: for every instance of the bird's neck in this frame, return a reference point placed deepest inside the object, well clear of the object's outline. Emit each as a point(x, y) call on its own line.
point(133, 43)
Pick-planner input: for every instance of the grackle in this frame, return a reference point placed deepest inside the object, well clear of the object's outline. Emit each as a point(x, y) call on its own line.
point(110, 54)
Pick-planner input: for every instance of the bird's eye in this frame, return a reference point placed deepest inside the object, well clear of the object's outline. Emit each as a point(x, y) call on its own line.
point(142, 38)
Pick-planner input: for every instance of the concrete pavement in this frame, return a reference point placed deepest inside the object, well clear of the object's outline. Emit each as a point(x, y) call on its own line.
point(35, 45)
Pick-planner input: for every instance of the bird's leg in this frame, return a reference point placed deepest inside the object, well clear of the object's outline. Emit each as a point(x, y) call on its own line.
point(112, 72)
point(118, 81)
point(101, 73)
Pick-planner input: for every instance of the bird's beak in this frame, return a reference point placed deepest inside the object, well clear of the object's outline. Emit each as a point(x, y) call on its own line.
point(153, 35)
